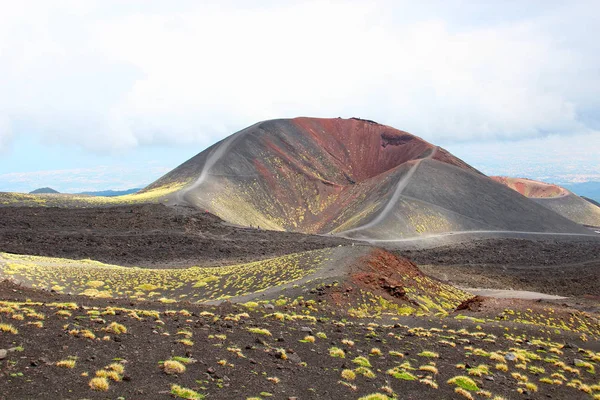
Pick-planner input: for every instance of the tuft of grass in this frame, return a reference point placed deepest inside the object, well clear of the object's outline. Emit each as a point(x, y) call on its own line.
point(308, 339)
point(8, 328)
point(112, 375)
point(366, 372)
point(185, 393)
point(463, 393)
point(184, 360)
point(502, 367)
point(337, 352)
point(362, 361)
point(464, 382)
point(260, 331)
point(68, 363)
point(118, 368)
point(172, 367)
point(116, 328)
point(429, 368)
point(429, 354)
point(375, 351)
point(375, 396)
point(532, 387)
point(99, 384)
point(348, 375)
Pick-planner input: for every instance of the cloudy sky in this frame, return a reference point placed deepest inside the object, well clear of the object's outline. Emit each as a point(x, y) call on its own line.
point(112, 94)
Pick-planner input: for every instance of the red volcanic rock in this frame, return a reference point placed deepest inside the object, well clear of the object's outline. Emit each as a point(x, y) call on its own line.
point(555, 198)
point(366, 149)
point(531, 188)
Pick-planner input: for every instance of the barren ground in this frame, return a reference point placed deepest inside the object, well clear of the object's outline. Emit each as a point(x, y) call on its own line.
point(144, 235)
point(549, 266)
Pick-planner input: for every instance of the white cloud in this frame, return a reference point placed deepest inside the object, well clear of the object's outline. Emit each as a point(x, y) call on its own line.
point(116, 75)
point(5, 133)
point(74, 180)
point(554, 158)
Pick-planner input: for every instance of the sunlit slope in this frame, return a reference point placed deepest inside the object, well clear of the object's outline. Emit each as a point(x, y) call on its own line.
point(442, 198)
point(303, 174)
point(157, 194)
point(351, 177)
point(556, 198)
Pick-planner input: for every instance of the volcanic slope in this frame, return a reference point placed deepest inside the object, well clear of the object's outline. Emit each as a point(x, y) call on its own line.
point(555, 198)
point(351, 177)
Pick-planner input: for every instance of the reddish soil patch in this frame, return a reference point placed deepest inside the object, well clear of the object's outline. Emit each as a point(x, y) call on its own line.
point(531, 188)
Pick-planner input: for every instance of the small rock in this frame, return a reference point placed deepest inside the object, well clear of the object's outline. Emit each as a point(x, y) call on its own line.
point(292, 398)
point(306, 329)
point(510, 356)
point(3, 354)
point(577, 361)
point(295, 358)
point(489, 378)
point(269, 306)
point(210, 370)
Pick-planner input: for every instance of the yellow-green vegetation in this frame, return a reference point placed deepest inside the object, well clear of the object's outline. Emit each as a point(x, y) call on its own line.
point(7, 328)
point(99, 384)
point(375, 351)
point(68, 363)
point(348, 375)
point(362, 361)
point(155, 195)
point(429, 354)
point(184, 393)
point(92, 278)
point(172, 367)
point(337, 352)
point(521, 357)
point(428, 297)
point(260, 331)
point(375, 396)
point(366, 372)
point(464, 382)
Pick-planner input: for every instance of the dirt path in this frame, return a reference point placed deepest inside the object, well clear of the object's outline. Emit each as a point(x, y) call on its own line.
point(512, 294)
point(400, 186)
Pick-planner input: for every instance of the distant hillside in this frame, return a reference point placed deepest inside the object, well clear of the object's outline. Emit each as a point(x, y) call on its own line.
point(45, 190)
point(111, 193)
point(588, 189)
point(555, 198)
point(591, 201)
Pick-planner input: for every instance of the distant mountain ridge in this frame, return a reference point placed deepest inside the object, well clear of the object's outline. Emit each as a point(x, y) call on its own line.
point(594, 202)
point(99, 193)
point(44, 190)
point(588, 189)
point(111, 193)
